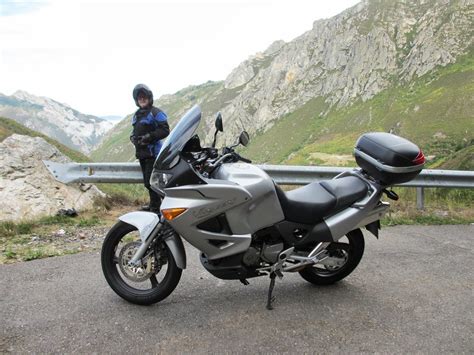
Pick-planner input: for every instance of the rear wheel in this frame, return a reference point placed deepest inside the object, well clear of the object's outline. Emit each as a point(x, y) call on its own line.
point(153, 281)
point(344, 255)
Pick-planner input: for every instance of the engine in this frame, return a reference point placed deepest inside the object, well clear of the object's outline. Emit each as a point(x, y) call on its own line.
point(267, 253)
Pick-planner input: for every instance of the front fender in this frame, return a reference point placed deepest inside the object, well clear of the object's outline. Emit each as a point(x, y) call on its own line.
point(146, 222)
point(175, 244)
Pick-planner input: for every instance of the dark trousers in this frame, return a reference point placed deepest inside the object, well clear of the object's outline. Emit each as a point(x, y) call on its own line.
point(147, 168)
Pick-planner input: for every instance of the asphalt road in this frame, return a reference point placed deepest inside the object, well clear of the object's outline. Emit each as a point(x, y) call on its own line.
point(412, 292)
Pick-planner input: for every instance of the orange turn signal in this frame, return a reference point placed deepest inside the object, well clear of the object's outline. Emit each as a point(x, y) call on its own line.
point(172, 213)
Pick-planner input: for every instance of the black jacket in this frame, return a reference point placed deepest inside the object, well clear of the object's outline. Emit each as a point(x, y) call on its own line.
point(149, 128)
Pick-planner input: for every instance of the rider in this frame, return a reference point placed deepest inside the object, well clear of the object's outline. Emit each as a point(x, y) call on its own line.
point(150, 126)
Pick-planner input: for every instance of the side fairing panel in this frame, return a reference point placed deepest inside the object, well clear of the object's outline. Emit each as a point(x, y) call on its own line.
point(200, 208)
point(264, 209)
point(245, 194)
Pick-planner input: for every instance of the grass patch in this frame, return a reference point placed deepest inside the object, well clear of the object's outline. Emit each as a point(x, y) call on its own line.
point(38, 253)
point(122, 194)
point(289, 134)
point(27, 253)
point(9, 253)
point(462, 159)
point(13, 231)
point(442, 206)
point(437, 198)
point(88, 222)
point(42, 239)
point(20, 239)
point(423, 219)
point(9, 228)
point(52, 220)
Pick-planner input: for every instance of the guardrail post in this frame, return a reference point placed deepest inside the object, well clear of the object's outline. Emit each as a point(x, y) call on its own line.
point(420, 198)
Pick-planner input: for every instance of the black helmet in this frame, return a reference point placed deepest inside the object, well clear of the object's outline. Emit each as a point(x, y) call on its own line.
point(142, 88)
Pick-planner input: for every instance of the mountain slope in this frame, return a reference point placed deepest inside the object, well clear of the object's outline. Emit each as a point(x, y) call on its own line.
point(9, 127)
point(54, 119)
point(435, 111)
point(364, 69)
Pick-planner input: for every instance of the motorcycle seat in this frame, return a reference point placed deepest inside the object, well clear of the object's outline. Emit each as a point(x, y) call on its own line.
point(311, 203)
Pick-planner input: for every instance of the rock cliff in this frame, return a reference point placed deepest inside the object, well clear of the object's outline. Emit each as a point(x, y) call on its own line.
point(373, 47)
point(354, 55)
point(27, 188)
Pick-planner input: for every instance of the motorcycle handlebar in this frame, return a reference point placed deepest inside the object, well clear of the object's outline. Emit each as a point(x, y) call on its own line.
point(211, 165)
point(245, 160)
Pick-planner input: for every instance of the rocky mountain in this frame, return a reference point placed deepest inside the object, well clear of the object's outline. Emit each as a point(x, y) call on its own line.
point(56, 120)
point(27, 185)
point(404, 66)
point(112, 118)
point(8, 127)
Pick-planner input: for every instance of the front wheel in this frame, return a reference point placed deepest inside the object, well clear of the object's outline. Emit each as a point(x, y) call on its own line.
point(153, 281)
point(346, 254)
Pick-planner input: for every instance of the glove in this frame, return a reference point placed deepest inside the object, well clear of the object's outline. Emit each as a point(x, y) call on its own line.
point(144, 140)
point(133, 139)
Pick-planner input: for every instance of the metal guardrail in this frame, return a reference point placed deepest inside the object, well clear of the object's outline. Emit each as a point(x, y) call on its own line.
point(302, 175)
point(95, 172)
point(282, 174)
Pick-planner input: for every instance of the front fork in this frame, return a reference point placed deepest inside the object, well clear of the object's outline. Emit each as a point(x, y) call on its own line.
point(136, 259)
point(149, 225)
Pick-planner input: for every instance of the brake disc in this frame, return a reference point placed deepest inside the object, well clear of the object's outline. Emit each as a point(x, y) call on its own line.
point(135, 273)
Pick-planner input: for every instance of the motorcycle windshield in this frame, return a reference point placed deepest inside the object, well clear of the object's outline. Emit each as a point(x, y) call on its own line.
point(178, 138)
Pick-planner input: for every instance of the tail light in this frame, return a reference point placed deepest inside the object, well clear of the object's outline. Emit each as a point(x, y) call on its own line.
point(420, 158)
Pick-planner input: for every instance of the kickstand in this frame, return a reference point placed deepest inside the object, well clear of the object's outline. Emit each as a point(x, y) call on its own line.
point(271, 298)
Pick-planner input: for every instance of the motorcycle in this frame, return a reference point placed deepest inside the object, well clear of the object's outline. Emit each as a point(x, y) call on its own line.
point(243, 223)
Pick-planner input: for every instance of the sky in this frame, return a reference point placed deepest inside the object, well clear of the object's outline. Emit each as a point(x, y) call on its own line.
point(91, 53)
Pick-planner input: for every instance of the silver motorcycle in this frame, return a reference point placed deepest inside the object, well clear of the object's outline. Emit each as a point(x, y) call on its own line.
point(243, 223)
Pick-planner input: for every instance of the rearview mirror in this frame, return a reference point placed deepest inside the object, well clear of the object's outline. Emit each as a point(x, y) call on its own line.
point(219, 125)
point(244, 138)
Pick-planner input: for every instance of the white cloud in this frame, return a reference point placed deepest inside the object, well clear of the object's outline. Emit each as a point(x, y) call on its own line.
point(90, 54)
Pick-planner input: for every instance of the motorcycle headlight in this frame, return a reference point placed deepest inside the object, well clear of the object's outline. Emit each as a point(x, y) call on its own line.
point(159, 181)
point(163, 179)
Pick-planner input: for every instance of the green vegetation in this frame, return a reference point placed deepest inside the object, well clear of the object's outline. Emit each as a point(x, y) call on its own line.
point(178, 103)
point(436, 112)
point(442, 206)
point(423, 218)
point(9, 127)
point(116, 145)
point(122, 194)
point(54, 235)
point(289, 134)
point(11, 229)
point(462, 159)
point(22, 252)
